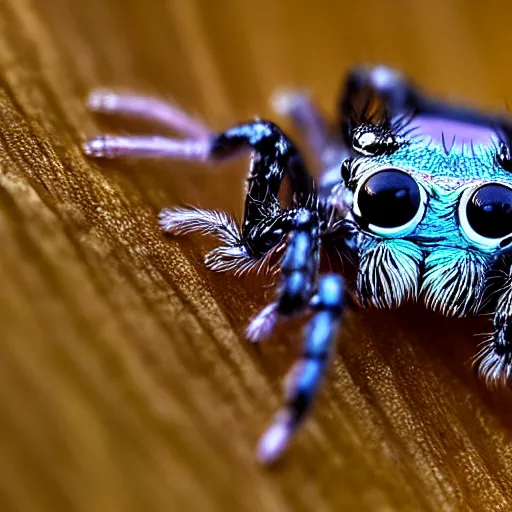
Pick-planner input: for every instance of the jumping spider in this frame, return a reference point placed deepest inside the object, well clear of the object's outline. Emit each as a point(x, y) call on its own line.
point(416, 192)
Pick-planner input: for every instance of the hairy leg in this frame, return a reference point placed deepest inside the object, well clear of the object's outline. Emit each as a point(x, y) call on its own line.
point(494, 361)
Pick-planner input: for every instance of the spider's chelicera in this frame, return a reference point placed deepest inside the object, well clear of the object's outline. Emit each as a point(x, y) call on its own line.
point(416, 192)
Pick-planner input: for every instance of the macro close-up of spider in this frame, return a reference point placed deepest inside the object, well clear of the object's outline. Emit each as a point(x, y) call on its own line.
point(414, 193)
point(256, 256)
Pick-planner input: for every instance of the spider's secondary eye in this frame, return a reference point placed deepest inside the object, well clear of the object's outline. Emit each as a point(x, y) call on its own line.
point(389, 199)
point(486, 214)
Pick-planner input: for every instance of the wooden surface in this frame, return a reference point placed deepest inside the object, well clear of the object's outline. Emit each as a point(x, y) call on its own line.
point(125, 380)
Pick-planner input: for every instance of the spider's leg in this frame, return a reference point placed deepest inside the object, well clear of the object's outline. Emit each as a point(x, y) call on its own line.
point(299, 269)
point(195, 147)
point(377, 83)
point(266, 224)
point(105, 101)
point(298, 106)
point(383, 92)
point(306, 375)
point(140, 146)
point(494, 361)
point(274, 156)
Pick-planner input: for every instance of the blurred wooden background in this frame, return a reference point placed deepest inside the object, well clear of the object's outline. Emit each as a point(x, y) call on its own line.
point(125, 380)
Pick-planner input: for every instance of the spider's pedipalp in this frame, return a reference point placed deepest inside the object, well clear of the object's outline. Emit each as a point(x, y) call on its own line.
point(232, 256)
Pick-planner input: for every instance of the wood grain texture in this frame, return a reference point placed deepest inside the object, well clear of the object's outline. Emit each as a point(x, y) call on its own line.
point(125, 380)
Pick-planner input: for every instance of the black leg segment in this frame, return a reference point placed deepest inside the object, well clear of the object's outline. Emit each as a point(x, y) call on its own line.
point(305, 377)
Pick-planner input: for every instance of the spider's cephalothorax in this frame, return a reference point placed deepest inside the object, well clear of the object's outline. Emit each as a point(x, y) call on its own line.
point(416, 192)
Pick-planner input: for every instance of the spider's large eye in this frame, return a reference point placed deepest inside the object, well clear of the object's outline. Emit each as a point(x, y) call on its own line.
point(390, 202)
point(486, 215)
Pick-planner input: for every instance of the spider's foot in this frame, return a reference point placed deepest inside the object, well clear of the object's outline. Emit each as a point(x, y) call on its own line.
point(103, 101)
point(99, 147)
point(275, 440)
point(181, 221)
point(301, 386)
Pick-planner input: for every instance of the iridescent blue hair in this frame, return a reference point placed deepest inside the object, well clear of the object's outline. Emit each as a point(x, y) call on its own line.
point(435, 261)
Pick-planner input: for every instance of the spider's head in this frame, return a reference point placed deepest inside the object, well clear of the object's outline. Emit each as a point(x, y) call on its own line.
point(432, 202)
